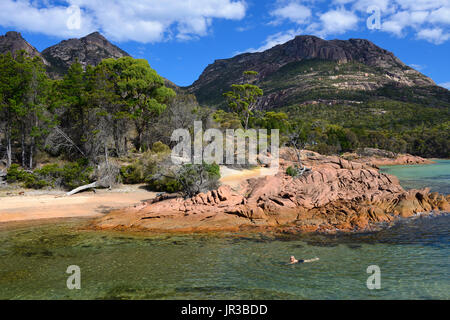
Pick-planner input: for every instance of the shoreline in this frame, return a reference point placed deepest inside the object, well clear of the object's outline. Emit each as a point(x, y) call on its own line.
point(287, 230)
point(32, 205)
point(335, 195)
point(53, 205)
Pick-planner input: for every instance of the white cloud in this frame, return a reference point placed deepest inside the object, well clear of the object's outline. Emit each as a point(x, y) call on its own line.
point(418, 67)
point(122, 20)
point(337, 22)
point(421, 4)
point(403, 19)
point(275, 39)
point(331, 22)
point(51, 21)
point(428, 19)
point(445, 85)
point(441, 15)
point(294, 12)
point(436, 35)
point(386, 6)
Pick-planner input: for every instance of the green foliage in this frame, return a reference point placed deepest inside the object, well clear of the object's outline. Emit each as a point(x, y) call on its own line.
point(272, 120)
point(291, 171)
point(197, 178)
point(16, 174)
point(396, 126)
point(69, 176)
point(227, 120)
point(165, 184)
point(24, 91)
point(140, 88)
point(159, 147)
point(76, 174)
point(143, 169)
point(132, 174)
point(243, 99)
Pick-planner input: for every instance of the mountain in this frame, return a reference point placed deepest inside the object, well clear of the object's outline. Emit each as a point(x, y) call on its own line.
point(89, 50)
point(12, 42)
point(308, 69)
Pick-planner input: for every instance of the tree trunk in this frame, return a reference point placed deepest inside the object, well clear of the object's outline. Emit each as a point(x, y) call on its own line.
point(82, 188)
point(33, 140)
point(23, 147)
point(139, 146)
point(299, 156)
point(106, 155)
point(8, 151)
point(139, 129)
point(116, 138)
point(246, 121)
point(31, 153)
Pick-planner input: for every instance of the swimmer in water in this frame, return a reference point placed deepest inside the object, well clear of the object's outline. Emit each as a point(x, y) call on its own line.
point(292, 260)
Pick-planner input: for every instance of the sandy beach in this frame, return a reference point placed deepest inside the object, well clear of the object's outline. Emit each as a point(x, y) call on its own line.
point(88, 204)
point(33, 205)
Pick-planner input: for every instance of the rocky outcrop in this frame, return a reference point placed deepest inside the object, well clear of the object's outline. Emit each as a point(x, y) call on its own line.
point(336, 195)
point(378, 158)
point(89, 50)
point(12, 42)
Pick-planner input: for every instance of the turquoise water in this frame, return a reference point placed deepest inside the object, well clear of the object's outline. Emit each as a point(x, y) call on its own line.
point(436, 176)
point(413, 256)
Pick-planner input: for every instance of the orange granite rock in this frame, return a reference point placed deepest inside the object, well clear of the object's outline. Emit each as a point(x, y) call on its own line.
point(336, 195)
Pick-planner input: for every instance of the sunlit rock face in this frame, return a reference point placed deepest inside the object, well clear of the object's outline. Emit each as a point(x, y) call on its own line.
point(308, 67)
point(335, 195)
point(89, 50)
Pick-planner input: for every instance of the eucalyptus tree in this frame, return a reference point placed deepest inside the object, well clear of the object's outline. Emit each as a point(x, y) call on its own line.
point(243, 98)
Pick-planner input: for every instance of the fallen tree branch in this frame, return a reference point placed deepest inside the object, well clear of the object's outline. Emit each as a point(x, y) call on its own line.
point(82, 188)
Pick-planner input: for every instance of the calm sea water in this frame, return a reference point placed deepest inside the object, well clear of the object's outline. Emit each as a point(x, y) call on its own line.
point(436, 176)
point(413, 257)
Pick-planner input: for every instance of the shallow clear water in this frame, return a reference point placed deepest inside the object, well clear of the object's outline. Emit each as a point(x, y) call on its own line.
point(435, 176)
point(413, 257)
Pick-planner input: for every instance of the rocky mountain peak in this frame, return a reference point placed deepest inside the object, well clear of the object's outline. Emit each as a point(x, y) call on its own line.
point(13, 35)
point(95, 34)
point(89, 50)
point(305, 64)
point(13, 41)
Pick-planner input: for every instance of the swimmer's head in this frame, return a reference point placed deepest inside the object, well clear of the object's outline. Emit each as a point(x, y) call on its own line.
point(292, 259)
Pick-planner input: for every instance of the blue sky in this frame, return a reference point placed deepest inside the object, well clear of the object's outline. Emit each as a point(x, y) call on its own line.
point(181, 37)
